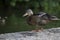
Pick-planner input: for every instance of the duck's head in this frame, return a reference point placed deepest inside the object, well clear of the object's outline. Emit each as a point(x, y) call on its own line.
point(29, 12)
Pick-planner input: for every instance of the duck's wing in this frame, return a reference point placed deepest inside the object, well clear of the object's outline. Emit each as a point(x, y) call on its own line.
point(47, 16)
point(44, 15)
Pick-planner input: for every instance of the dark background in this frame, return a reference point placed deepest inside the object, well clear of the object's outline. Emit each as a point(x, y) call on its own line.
point(14, 9)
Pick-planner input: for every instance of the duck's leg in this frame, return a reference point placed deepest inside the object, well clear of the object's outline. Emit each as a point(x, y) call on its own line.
point(38, 29)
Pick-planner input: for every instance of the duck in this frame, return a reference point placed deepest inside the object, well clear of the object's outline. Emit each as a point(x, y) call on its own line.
point(40, 19)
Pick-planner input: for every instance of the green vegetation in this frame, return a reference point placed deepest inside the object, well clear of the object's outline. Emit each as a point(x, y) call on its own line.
point(14, 9)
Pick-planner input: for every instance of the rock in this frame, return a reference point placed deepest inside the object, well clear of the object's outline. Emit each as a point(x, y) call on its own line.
point(46, 34)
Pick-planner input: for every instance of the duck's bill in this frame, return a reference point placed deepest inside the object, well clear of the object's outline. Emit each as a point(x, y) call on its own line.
point(25, 14)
